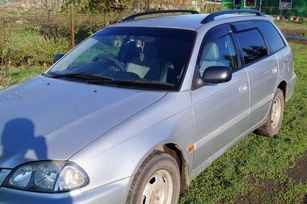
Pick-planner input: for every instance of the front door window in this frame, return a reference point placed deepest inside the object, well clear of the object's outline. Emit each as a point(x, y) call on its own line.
point(218, 52)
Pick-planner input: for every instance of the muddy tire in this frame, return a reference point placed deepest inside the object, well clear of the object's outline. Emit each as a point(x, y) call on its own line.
point(157, 181)
point(273, 122)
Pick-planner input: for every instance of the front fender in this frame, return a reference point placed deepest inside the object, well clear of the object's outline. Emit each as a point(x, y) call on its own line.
point(106, 163)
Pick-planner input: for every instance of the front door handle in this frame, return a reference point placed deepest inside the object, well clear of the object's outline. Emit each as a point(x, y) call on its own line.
point(243, 88)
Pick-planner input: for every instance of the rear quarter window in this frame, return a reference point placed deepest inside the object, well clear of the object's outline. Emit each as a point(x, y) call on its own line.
point(271, 35)
point(252, 45)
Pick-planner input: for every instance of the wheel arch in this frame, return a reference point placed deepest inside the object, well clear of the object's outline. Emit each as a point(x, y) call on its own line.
point(283, 86)
point(174, 151)
point(177, 153)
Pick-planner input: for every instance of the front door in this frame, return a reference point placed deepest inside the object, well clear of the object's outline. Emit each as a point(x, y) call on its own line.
point(221, 110)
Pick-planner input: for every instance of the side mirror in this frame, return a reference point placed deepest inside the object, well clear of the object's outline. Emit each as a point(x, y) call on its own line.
point(217, 74)
point(57, 56)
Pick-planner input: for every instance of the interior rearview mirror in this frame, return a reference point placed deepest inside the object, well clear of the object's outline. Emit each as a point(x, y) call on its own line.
point(57, 56)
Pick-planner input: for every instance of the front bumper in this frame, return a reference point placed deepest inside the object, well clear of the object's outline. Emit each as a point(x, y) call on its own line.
point(112, 193)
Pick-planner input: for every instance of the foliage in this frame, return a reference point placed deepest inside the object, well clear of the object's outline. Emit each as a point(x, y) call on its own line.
point(27, 48)
point(54, 30)
point(97, 5)
point(85, 30)
point(210, 8)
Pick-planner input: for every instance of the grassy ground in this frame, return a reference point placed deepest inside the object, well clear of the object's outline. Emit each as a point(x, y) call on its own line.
point(257, 169)
point(291, 25)
point(16, 75)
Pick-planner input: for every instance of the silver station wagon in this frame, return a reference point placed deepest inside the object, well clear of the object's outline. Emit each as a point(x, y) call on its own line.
point(140, 108)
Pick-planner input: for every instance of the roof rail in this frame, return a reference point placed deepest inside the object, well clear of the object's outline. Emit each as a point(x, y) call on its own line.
point(212, 16)
point(133, 17)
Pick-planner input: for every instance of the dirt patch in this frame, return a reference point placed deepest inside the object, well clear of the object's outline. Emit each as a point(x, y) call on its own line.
point(299, 171)
point(296, 35)
point(265, 191)
point(294, 31)
point(304, 201)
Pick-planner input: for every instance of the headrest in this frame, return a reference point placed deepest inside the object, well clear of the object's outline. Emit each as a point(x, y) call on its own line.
point(211, 52)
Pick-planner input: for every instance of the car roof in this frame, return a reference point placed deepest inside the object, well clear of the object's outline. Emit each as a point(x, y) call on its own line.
point(188, 22)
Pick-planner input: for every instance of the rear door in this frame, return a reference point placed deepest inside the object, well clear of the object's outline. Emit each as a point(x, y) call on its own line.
point(221, 110)
point(278, 47)
point(262, 69)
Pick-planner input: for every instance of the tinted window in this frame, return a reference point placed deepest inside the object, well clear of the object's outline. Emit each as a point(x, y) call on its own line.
point(252, 45)
point(271, 34)
point(218, 52)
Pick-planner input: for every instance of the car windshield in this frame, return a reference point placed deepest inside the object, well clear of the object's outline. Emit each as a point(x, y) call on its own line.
point(138, 57)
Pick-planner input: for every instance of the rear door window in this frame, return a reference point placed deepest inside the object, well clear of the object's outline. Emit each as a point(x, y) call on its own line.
point(252, 45)
point(271, 35)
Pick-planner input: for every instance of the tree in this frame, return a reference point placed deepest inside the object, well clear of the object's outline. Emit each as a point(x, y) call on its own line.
point(103, 5)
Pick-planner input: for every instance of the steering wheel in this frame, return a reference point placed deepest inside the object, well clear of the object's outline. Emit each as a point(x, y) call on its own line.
point(110, 58)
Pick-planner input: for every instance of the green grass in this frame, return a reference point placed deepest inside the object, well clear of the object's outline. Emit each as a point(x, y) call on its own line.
point(18, 74)
point(256, 166)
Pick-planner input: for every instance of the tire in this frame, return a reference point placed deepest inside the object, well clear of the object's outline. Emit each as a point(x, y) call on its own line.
point(157, 181)
point(273, 122)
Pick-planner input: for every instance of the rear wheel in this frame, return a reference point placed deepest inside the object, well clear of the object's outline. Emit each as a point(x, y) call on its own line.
point(157, 181)
point(273, 122)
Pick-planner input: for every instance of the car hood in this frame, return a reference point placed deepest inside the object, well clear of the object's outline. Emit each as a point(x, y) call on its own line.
point(46, 118)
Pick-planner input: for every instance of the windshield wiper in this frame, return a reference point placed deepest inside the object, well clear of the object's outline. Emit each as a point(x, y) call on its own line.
point(81, 75)
point(138, 83)
point(98, 79)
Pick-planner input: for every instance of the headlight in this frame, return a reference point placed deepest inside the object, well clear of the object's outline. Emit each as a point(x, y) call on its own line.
point(47, 177)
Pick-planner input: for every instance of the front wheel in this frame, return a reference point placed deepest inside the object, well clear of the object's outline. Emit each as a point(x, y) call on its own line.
point(156, 182)
point(272, 124)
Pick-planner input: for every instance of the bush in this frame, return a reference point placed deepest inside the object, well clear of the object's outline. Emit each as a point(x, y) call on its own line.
point(27, 48)
point(85, 30)
point(54, 30)
point(210, 8)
